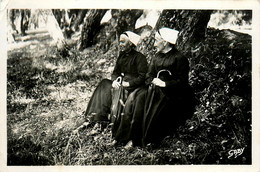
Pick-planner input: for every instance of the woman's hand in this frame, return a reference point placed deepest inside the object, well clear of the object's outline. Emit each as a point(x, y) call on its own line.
point(116, 84)
point(159, 82)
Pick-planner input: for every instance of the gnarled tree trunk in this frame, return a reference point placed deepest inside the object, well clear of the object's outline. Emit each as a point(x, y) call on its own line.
point(91, 27)
point(192, 25)
point(79, 18)
point(125, 19)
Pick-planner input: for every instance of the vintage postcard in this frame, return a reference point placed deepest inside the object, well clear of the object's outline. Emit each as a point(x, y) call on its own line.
point(130, 85)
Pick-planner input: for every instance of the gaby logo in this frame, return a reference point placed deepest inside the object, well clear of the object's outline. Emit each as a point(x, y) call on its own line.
point(235, 152)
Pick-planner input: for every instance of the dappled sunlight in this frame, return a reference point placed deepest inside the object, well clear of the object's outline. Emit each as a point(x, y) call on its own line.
point(63, 93)
point(50, 66)
point(149, 17)
point(46, 114)
point(22, 129)
point(233, 21)
point(61, 67)
point(65, 67)
point(16, 129)
point(18, 45)
point(23, 100)
point(86, 72)
point(62, 124)
point(31, 40)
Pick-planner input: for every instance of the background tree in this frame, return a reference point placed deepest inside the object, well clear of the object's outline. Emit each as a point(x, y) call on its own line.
point(90, 28)
point(192, 25)
point(87, 24)
point(81, 24)
point(23, 15)
point(121, 20)
point(12, 17)
point(69, 20)
point(125, 19)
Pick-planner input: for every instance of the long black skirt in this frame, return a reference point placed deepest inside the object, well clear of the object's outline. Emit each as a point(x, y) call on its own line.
point(99, 106)
point(150, 115)
point(130, 127)
point(164, 113)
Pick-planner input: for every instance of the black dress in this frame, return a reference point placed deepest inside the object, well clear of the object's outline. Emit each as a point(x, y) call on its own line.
point(131, 64)
point(168, 107)
point(130, 126)
point(153, 112)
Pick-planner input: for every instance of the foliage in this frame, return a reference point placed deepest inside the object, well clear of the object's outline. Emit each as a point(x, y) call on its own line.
point(221, 77)
point(232, 17)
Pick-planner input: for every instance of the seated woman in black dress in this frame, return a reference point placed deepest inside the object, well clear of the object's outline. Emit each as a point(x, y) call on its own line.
point(165, 103)
point(170, 101)
point(131, 64)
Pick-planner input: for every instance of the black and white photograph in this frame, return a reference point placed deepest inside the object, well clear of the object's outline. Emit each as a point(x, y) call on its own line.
point(129, 87)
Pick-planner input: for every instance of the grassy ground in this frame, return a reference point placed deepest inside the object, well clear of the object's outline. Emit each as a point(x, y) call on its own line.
point(47, 95)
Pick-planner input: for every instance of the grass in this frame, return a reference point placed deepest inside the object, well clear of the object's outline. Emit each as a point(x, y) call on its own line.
point(46, 98)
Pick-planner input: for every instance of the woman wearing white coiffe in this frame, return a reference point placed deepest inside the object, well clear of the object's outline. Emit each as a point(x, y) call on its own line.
point(170, 99)
point(155, 111)
point(132, 65)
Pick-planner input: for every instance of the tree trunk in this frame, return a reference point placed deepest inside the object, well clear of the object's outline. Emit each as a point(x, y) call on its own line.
point(192, 25)
point(121, 21)
point(90, 28)
point(22, 24)
point(55, 30)
point(146, 46)
point(12, 16)
point(125, 19)
point(69, 20)
point(77, 20)
point(58, 15)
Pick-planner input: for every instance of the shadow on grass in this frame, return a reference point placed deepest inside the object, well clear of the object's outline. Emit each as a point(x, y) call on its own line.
point(24, 152)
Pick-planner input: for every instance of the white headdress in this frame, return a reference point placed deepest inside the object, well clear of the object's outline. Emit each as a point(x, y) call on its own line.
point(133, 37)
point(169, 35)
